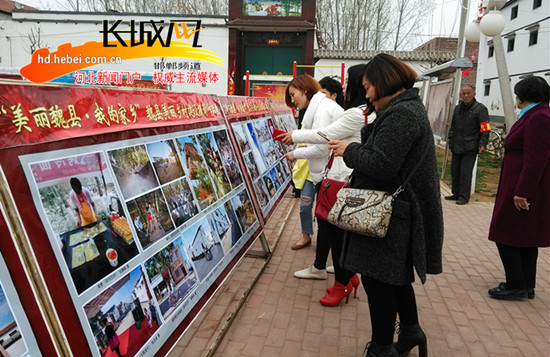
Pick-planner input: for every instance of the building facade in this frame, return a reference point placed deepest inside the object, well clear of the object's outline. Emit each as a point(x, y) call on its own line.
point(526, 40)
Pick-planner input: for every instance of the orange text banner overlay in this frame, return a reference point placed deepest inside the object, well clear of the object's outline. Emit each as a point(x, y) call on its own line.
point(36, 114)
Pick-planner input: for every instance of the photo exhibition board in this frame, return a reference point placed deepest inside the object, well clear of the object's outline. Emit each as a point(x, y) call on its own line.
point(136, 223)
point(141, 228)
point(253, 121)
point(16, 335)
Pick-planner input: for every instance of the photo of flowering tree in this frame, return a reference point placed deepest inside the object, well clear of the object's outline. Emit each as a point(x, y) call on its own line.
point(214, 163)
point(197, 169)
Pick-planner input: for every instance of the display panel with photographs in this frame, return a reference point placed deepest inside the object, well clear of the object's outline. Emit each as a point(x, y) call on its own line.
point(84, 211)
point(124, 316)
point(138, 255)
point(16, 336)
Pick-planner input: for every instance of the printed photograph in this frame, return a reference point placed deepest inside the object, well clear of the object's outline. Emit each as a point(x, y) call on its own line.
point(228, 158)
point(198, 171)
point(275, 178)
point(203, 247)
point(124, 316)
point(133, 170)
point(180, 200)
point(270, 152)
point(262, 130)
point(154, 217)
point(166, 160)
point(269, 184)
point(236, 230)
point(214, 163)
point(11, 339)
point(284, 165)
point(86, 215)
point(285, 122)
point(171, 275)
point(244, 210)
point(255, 147)
point(280, 174)
point(221, 223)
point(251, 165)
point(261, 192)
point(242, 138)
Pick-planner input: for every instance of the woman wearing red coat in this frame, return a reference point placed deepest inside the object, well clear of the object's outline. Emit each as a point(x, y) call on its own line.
point(520, 221)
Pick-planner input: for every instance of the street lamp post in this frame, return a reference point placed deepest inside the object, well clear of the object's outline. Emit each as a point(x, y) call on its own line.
point(492, 25)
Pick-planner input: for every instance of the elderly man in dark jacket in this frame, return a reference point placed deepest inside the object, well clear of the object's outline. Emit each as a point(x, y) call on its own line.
point(468, 135)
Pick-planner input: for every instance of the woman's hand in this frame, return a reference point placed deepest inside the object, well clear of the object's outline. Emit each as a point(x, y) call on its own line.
point(338, 147)
point(521, 203)
point(290, 156)
point(285, 138)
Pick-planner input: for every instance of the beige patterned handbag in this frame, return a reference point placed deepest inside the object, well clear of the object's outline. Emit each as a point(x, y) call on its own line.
point(367, 212)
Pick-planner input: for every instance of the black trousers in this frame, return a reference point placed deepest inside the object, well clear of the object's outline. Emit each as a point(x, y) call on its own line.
point(461, 172)
point(385, 303)
point(331, 238)
point(520, 265)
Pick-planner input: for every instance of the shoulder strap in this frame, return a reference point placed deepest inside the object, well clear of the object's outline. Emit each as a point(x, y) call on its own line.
point(401, 188)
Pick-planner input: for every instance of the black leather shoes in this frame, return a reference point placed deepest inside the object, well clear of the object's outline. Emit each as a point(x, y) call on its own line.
point(503, 292)
point(530, 291)
point(461, 201)
point(451, 198)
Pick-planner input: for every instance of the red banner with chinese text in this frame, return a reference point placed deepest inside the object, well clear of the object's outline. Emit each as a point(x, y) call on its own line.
point(32, 114)
point(234, 107)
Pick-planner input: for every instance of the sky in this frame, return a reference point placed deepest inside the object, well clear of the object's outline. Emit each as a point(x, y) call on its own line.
point(444, 20)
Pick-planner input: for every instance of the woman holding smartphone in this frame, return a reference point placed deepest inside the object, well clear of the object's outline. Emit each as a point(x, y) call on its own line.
point(330, 237)
point(303, 92)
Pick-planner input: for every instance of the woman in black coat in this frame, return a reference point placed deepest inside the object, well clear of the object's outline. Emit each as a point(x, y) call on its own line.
point(400, 138)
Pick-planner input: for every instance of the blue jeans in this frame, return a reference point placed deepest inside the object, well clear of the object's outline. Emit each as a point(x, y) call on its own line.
point(307, 197)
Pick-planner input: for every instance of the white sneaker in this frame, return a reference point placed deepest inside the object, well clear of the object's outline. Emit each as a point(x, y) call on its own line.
point(330, 269)
point(311, 273)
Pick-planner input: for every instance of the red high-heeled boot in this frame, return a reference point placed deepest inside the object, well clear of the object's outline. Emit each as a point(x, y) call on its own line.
point(338, 292)
point(355, 282)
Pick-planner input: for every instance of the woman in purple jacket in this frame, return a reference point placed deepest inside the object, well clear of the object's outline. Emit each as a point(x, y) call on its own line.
point(520, 221)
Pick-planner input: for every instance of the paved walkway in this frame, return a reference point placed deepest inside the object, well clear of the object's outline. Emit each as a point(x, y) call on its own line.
point(283, 317)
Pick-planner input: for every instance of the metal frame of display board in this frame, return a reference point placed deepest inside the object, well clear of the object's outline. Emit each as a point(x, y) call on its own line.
point(40, 256)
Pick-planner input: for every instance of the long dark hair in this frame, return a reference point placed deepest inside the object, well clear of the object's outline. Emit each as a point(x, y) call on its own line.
point(355, 92)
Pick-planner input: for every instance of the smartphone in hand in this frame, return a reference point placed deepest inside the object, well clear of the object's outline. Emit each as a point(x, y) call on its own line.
point(321, 134)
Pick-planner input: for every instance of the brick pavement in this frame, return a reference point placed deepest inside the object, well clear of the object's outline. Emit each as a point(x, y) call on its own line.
point(283, 317)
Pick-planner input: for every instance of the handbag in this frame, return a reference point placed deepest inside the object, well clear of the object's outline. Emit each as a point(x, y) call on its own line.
point(326, 198)
point(364, 211)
